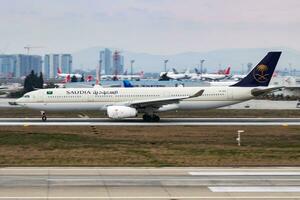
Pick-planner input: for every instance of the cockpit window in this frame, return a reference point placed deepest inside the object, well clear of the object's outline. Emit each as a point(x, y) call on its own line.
point(26, 96)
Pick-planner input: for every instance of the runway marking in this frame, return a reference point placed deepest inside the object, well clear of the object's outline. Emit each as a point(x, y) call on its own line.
point(148, 124)
point(204, 169)
point(161, 179)
point(162, 197)
point(255, 189)
point(245, 173)
point(163, 122)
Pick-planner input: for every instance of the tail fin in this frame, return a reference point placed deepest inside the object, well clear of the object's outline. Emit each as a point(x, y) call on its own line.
point(127, 84)
point(187, 72)
point(262, 73)
point(68, 78)
point(175, 71)
point(89, 78)
point(59, 70)
point(141, 74)
point(197, 71)
point(227, 71)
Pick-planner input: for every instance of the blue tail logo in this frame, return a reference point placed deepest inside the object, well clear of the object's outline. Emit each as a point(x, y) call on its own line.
point(127, 84)
point(262, 73)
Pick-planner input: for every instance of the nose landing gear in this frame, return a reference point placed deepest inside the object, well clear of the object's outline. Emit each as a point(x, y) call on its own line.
point(44, 117)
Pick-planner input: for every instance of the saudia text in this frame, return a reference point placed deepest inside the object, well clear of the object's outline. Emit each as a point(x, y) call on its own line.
point(96, 92)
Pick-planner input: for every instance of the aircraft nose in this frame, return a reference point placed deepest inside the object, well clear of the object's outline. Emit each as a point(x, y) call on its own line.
point(18, 101)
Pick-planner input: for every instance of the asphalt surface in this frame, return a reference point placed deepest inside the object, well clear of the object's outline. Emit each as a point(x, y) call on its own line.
point(140, 122)
point(150, 183)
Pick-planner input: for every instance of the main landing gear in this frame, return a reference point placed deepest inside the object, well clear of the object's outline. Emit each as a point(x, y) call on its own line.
point(151, 118)
point(44, 117)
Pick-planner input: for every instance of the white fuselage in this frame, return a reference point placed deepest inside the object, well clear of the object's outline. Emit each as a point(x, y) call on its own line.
point(178, 76)
point(63, 75)
point(121, 77)
point(195, 76)
point(100, 98)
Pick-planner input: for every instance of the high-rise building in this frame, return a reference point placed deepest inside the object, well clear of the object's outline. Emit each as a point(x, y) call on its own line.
point(66, 63)
point(7, 66)
point(19, 65)
point(118, 63)
point(54, 61)
point(106, 58)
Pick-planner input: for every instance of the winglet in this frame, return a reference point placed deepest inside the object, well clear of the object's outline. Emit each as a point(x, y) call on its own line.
point(197, 94)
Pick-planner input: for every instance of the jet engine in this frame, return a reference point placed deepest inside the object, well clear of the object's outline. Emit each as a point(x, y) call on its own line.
point(119, 112)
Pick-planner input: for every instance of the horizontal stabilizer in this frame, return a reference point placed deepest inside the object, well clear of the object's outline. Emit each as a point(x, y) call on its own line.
point(257, 91)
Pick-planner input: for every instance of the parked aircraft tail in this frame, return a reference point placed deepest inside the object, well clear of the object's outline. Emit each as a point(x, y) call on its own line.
point(59, 70)
point(227, 71)
point(127, 84)
point(175, 71)
point(262, 73)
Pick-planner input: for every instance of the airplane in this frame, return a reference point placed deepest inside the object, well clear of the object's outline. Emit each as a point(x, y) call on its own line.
point(67, 76)
point(120, 103)
point(237, 77)
point(124, 76)
point(14, 87)
point(174, 75)
point(211, 77)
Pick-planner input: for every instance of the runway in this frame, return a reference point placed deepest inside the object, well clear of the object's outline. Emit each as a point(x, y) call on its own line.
point(150, 183)
point(140, 122)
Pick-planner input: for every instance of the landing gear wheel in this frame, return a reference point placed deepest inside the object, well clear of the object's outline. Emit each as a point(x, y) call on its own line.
point(44, 118)
point(155, 118)
point(147, 118)
point(151, 118)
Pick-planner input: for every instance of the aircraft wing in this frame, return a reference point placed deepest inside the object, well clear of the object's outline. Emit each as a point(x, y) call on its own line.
point(258, 91)
point(158, 102)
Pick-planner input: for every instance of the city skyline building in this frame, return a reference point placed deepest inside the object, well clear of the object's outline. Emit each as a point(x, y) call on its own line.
point(118, 63)
point(106, 58)
point(19, 65)
point(54, 61)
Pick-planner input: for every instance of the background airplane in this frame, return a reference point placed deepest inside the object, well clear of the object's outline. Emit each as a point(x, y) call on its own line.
point(66, 75)
point(212, 77)
point(124, 76)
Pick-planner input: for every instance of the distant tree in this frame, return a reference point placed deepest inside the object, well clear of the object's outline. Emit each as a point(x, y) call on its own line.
point(82, 78)
point(29, 82)
point(40, 82)
point(73, 78)
point(32, 81)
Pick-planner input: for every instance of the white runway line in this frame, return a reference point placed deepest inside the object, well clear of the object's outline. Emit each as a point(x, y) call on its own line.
point(139, 122)
point(245, 173)
point(148, 124)
point(162, 197)
point(161, 179)
point(255, 189)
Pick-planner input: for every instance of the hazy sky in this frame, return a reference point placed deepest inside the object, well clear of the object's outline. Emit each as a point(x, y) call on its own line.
point(152, 26)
